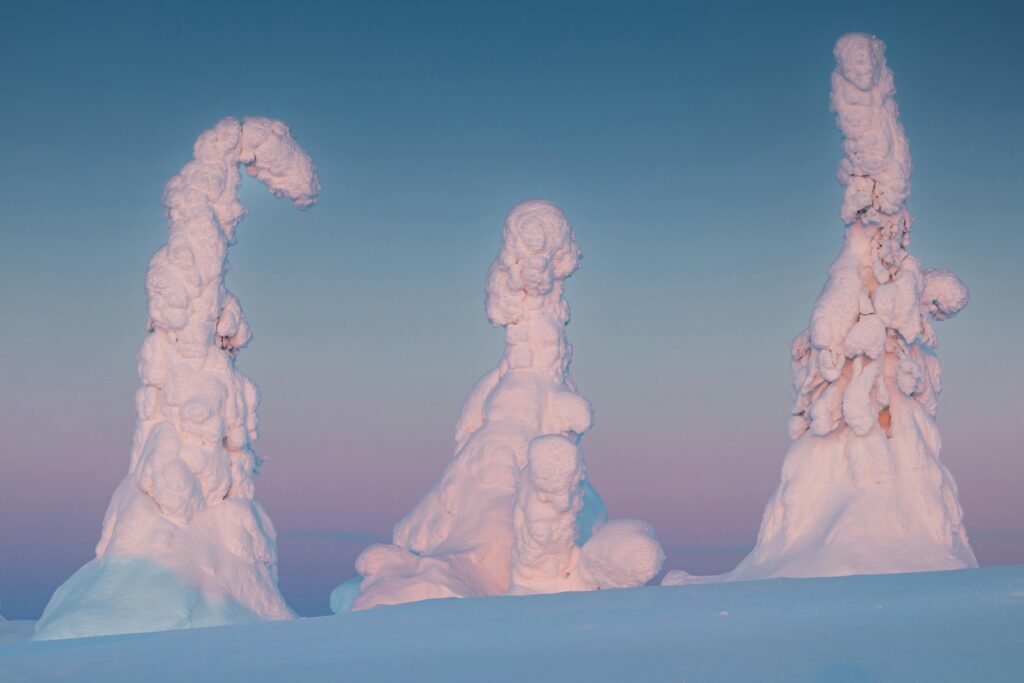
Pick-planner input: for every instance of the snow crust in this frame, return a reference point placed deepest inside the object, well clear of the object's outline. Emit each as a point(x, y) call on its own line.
point(863, 489)
point(514, 512)
point(185, 542)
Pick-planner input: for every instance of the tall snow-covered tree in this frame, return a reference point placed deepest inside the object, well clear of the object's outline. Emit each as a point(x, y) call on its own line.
point(514, 511)
point(863, 489)
point(185, 542)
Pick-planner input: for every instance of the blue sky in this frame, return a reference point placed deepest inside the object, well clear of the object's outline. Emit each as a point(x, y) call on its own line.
point(689, 144)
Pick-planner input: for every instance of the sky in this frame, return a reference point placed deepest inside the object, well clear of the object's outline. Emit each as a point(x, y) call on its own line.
point(689, 144)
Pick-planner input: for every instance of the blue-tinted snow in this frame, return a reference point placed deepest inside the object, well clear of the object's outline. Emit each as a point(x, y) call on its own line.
point(944, 626)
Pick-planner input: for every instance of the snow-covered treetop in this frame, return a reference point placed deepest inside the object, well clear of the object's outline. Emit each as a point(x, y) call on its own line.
point(203, 209)
point(875, 168)
point(878, 299)
point(538, 250)
point(524, 289)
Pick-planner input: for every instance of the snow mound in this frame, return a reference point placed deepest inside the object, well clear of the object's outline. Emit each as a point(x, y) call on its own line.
point(514, 511)
point(863, 489)
point(185, 542)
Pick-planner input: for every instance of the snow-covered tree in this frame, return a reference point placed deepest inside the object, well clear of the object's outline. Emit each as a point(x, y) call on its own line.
point(514, 511)
point(185, 542)
point(863, 489)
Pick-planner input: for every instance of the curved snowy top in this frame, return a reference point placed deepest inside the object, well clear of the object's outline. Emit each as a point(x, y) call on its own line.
point(538, 250)
point(270, 154)
point(203, 210)
point(876, 163)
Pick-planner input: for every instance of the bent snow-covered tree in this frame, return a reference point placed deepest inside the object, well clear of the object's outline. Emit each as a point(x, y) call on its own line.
point(863, 489)
point(185, 543)
point(514, 511)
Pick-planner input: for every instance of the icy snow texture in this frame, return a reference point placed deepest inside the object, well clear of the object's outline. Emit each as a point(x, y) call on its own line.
point(514, 512)
point(185, 543)
point(863, 489)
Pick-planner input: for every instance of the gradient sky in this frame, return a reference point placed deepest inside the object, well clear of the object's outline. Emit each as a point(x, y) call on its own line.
point(691, 146)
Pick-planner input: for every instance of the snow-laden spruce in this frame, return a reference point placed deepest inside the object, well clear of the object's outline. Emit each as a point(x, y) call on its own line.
point(863, 489)
point(514, 511)
point(185, 542)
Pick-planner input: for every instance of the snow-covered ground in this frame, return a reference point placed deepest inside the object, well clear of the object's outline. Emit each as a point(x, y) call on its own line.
point(16, 629)
point(963, 625)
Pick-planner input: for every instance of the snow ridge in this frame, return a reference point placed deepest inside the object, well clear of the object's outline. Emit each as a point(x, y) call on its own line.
point(185, 542)
point(514, 511)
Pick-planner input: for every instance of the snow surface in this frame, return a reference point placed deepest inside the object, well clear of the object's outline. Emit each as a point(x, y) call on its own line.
point(16, 629)
point(863, 489)
point(514, 511)
point(943, 626)
point(185, 542)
